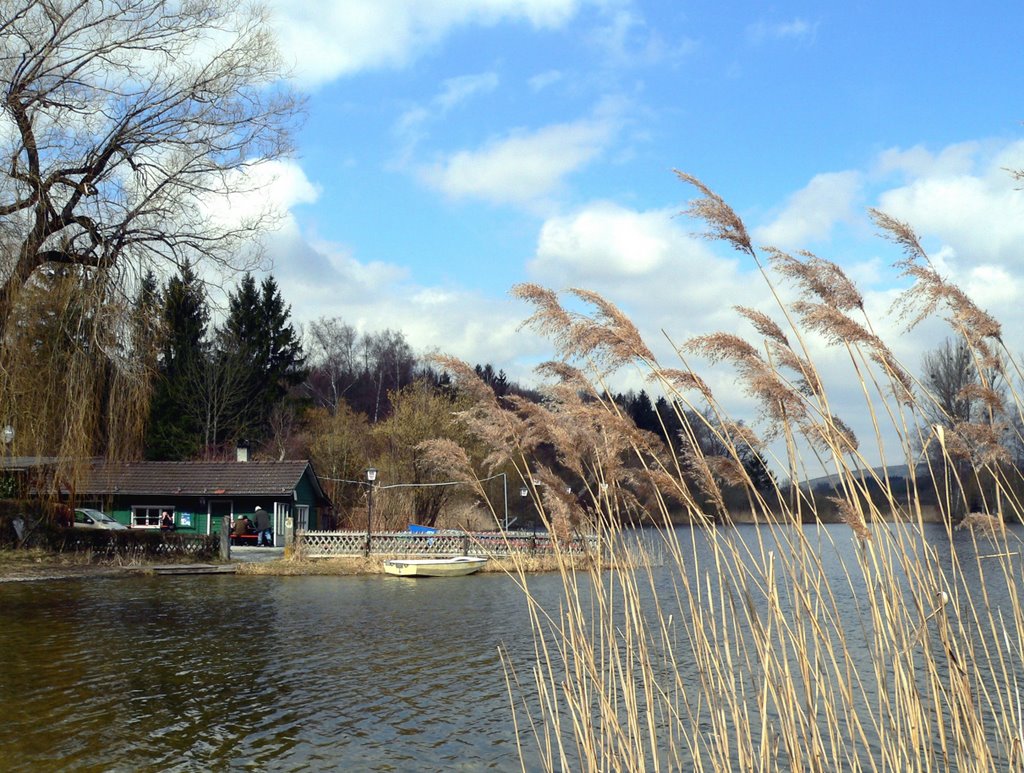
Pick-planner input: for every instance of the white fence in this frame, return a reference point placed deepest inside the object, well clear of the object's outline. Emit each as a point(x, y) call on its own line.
point(323, 544)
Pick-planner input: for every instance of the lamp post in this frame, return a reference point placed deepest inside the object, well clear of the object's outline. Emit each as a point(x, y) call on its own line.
point(8, 437)
point(371, 476)
point(523, 493)
point(504, 492)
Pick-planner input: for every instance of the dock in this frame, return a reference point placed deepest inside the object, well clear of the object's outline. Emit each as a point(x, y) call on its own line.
point(191, 569)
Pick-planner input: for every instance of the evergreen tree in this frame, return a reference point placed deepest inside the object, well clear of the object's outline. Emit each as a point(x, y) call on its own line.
point(496, 381)
point(147, 323)
point(757, 468)
point(185, 320)
point(669, 417)
point(642, 412)
point(269, 350)
point(172, 433)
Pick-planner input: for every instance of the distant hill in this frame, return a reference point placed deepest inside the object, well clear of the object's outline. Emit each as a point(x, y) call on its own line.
point(891, 471)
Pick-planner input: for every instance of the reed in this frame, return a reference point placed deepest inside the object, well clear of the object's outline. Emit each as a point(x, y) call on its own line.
point(756, 648)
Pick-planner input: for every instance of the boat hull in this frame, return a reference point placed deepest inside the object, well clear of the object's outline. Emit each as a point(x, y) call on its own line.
point(434, 567)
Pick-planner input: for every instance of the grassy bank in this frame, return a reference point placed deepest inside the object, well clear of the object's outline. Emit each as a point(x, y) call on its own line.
point(39, 564)
point(356, 565)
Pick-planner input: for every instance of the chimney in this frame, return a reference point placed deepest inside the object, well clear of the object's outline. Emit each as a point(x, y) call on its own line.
point(242, 451)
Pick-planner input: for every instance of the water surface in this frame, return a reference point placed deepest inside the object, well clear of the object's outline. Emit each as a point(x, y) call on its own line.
point(297, 673)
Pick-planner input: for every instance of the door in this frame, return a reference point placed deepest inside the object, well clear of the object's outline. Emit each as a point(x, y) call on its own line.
point(219, 509)
point(301, 517)
point(281, 511)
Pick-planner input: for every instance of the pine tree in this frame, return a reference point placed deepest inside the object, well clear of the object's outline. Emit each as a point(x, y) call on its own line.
point(269, 351)
point(172, 433)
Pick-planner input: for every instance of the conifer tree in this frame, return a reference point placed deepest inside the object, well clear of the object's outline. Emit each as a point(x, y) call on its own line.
point(270, 353)
point(172, 432)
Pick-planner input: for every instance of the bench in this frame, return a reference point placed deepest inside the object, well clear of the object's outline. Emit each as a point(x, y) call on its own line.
point(244, 539)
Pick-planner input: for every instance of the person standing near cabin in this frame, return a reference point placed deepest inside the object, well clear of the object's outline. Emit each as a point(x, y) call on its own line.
point(263, 528)
point(166, 521)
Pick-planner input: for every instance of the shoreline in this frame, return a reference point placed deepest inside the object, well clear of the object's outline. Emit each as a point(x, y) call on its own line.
point(37, 566)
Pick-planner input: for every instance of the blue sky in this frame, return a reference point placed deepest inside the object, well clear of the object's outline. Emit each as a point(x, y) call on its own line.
point(452, 148)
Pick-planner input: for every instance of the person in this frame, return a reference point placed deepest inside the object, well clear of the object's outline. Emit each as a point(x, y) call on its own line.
point(266, 536)
point(65, 516)
point(242, 526)
point(166, 521)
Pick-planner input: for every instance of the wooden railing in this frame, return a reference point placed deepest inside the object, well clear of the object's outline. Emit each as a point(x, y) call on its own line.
point(323, 544)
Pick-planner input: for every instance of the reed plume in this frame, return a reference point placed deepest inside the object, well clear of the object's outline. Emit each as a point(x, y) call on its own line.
point(722, 222)
point(878, 642)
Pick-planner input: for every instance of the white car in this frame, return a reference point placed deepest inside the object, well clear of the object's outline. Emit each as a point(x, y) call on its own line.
point(87, 518)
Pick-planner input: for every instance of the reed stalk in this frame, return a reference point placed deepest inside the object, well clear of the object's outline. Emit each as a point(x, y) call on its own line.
point(881, 643)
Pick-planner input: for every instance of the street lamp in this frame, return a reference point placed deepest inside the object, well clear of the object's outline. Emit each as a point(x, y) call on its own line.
point(523, 494)
point(8, 437)
point(371, 476)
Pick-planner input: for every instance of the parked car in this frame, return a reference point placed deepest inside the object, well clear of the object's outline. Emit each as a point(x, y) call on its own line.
point(87, 518)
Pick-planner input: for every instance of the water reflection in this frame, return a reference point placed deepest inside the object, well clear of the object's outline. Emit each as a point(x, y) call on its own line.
point(276, 673)
point(302, 673)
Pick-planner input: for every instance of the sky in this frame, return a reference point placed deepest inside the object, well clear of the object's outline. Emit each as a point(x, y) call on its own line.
point(453, 148)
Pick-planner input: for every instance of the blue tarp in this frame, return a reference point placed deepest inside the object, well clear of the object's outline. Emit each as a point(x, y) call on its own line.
point(417, 529)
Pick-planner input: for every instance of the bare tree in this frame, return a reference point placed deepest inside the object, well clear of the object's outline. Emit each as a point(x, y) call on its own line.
point(284, 431)
point(217, 392)
point(334, 361)
point(948, 373)
point(125, 126)
point(967, 400)
point(389, 363)
point(127, 119)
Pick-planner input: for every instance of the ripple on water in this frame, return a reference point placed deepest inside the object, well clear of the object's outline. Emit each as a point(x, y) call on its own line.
point(272, 673)
point(304, 673)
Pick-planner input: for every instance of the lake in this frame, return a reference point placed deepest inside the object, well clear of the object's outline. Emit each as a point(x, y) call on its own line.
point(277, 673)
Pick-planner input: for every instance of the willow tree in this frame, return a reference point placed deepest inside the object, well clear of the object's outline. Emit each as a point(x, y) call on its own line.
point(126, 126)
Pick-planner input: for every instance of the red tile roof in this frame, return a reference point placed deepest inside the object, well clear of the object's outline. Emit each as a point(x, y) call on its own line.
point(198, 478)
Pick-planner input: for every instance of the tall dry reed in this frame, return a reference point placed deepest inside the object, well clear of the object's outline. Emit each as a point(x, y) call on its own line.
point(872, 645)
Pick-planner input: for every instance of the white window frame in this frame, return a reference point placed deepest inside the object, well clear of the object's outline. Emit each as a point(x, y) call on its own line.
point(151, 515)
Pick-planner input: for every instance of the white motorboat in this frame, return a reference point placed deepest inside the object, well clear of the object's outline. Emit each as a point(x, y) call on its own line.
point(434, 567)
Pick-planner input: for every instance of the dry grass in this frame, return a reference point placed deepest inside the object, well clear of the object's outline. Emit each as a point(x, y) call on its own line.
point(359, 565)
point(757, 653)
point(27, 564)
point(334, 567)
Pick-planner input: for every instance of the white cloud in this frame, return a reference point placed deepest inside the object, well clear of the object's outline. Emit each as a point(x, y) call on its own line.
point(458, 90)
point(990, 286)
point(269, 188)
point(524, 166)
point(325, 41)
point(454, 92)
point(543, 80)
point(794, 29)
point(605, 240)
point(323, 279)
point(626, 39)
point(811, 213)
point(962, 196)
point(650, 264)
point(914, 162)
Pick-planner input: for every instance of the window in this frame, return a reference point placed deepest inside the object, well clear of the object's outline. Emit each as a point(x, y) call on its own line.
point(149, 517)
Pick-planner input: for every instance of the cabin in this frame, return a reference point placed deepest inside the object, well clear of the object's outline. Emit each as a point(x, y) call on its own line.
point(199, 495)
